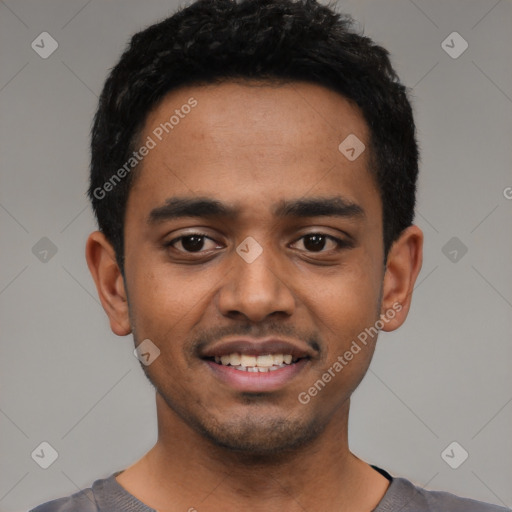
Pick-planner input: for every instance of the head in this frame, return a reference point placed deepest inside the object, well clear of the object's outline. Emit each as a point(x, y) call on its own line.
point(253, 175)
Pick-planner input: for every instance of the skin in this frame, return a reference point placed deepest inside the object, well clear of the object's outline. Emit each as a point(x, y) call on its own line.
point(250, 146)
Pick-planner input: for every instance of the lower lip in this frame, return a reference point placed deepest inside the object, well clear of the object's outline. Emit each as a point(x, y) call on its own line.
point(257, 382)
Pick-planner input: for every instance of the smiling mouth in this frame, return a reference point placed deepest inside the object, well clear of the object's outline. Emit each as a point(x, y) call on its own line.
point(256, 363)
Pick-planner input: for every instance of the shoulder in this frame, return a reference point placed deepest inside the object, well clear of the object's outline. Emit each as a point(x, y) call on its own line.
point(100, 497)
point(404, 495)
point(447, 501)
point(105, 495)
point(82, 501)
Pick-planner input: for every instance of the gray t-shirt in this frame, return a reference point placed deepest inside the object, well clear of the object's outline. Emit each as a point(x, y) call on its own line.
point(107, 495)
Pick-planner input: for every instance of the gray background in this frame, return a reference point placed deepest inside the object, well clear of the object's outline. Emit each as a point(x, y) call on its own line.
point(443, 377)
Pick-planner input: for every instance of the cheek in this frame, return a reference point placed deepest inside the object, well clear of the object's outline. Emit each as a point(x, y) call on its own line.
point(159, 301)
point(167, 303)
point(343, 308)
point(350, 295)
point(343, 313)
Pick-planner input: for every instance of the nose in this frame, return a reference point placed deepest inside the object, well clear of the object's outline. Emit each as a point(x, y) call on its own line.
point(256, 289)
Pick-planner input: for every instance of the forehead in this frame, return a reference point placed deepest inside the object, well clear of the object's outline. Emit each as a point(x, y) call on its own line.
point(252, 143)
point(253, 113)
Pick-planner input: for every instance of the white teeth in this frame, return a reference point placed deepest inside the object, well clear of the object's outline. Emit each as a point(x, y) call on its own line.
point(262, 363)
point(265, 361)
point(234, 359)
point(274, 368)
point(278, 358)
point(247, 361)
point(257, 369)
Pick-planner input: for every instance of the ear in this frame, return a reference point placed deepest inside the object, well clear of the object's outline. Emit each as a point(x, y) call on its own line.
point(101, 260)
point(403, 265)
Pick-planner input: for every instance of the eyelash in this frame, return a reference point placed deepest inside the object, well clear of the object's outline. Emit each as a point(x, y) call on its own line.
point(338, 241)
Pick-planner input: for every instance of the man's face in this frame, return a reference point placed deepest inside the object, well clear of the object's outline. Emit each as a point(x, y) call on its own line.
point(268, 269)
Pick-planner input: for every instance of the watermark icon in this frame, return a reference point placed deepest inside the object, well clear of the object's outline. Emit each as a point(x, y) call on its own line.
point(507, 192)
point(370, 332)
point(351, 147)
point(45, 455)
point(249, 249)
point(454, 45)
point(44, 45)
point(454, 249)
point(146, 352)
point(454, 455)
point(150, 143)
point(44, 250)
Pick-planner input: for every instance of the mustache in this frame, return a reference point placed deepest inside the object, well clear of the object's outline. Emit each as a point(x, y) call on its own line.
point(269, 330)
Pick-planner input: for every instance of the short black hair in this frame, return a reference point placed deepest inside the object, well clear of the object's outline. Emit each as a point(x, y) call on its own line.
point(213, 41)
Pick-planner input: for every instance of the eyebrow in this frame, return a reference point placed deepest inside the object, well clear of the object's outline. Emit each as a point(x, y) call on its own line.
point(205, 207)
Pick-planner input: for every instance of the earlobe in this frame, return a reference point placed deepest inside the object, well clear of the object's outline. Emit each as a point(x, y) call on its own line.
point(101, 260)
point(402, 268)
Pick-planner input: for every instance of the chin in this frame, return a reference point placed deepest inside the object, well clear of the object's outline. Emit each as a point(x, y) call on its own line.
point(258, 431)
point(260, 436)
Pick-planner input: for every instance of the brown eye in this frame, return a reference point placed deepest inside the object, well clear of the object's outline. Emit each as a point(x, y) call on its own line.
point(193, 243)
point(316, 242)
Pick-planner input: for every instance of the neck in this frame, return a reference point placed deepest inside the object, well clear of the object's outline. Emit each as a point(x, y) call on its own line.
point(189, 471)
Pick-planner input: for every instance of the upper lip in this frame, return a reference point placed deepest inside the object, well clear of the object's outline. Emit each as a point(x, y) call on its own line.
point(258, 347)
